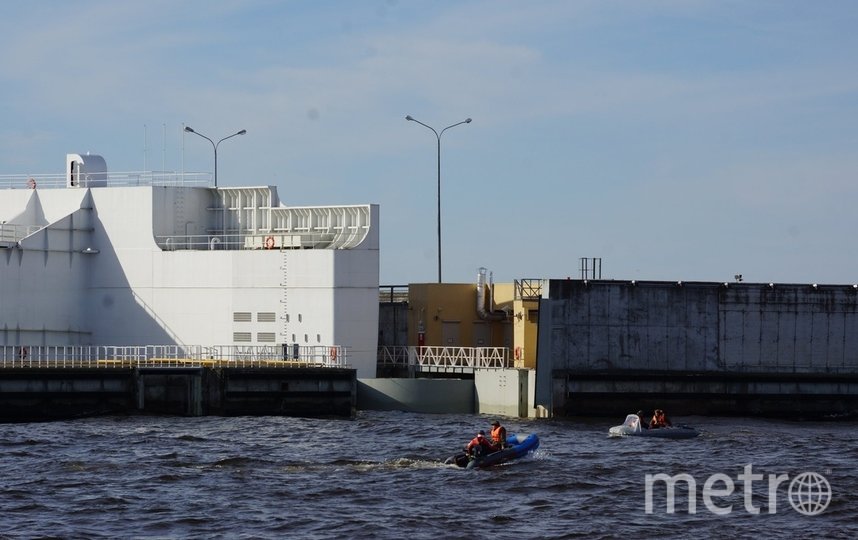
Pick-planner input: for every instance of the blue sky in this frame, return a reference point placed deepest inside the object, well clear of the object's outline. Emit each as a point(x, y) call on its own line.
point(677, 140)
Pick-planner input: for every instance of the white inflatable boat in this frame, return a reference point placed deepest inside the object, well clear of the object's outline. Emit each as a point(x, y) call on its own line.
point(632, 428)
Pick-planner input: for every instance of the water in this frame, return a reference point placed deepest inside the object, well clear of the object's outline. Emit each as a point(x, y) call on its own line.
point(382, 476)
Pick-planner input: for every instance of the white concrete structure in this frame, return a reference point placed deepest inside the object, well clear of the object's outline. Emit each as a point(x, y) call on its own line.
point(136, 259)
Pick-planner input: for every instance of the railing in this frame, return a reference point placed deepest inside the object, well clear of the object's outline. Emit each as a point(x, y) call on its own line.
point(528, 289)
point(393, 294)
point(143, 178)
point(92, 356)
point(234, 241)
point(440, 358)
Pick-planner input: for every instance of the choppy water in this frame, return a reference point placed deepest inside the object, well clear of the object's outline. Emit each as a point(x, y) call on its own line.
point(382, 476)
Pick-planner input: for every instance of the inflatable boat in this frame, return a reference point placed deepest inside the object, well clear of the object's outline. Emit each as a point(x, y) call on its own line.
point(517, 446)
point(632, 428)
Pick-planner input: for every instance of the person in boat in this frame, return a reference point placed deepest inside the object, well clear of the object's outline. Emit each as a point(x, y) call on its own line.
point(643, 423)
point(498, 435)
point(479, 445)
point(659, 420)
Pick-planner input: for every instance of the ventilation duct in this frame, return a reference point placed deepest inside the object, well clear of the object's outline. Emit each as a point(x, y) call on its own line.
point(482, 291)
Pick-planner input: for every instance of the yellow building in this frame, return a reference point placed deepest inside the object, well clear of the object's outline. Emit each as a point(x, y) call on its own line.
point(476, 315)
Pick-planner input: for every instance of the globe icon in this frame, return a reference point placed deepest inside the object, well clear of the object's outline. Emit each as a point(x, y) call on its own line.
point(809, 493)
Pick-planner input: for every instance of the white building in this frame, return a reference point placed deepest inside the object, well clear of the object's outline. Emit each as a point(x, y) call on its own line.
point(91, 258)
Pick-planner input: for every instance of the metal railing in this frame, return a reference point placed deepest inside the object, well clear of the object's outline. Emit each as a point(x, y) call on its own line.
point(142, 178)
point(392, 294)
point(528, 289)
point(104, 356)
point(240, 241)
point(438, 358)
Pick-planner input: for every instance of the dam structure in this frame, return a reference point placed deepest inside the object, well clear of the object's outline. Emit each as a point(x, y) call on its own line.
point(610, 347)
point(98, 260)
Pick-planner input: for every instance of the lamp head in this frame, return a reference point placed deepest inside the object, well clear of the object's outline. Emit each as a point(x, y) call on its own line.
point(468, 121)
point(189, 129)
point(242, 132)
point(409, 117)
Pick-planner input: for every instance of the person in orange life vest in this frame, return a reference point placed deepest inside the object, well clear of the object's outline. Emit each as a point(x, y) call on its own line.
point(498, 435)
point(659, 420)
point(479, 445)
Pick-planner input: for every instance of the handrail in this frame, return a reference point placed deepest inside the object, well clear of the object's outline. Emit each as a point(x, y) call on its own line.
point(104, 356)
point(528, 289)
point(132, 178)
point(445, 357)
point(392, 294)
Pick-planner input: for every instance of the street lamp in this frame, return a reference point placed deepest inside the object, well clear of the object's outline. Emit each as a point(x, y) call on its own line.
point(189, 129)
point(438, 136)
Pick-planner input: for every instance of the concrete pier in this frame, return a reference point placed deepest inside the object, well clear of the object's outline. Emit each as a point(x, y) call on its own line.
point(52, 393)
point(613, 347)
point(791, 396)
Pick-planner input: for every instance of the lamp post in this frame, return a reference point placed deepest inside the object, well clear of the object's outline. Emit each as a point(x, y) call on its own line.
point(438, 137)
point(189, 129)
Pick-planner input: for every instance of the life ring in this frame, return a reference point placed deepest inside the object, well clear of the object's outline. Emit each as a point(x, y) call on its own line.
point(333, 353)
point(31, 183)
point(269, 242)
point(518, 353)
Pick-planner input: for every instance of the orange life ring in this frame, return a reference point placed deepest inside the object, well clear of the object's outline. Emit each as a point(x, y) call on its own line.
point(333, 353)
point(269, 242)
point(518, 353)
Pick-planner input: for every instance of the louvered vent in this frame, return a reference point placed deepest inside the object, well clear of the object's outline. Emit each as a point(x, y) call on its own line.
point(265, 337)
point(241, 337)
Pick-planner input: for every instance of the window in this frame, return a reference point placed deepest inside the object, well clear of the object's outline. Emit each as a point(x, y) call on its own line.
point(241, 316)
point(265, 316)
point(241, 337)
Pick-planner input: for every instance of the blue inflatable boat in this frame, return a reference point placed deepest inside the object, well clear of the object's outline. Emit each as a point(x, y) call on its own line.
point(517, 446)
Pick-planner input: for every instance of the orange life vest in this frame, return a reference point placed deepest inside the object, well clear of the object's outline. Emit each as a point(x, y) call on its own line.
point(498, 435)
point(479, 441)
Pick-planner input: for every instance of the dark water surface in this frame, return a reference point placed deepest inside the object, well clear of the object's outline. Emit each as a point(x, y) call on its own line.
point(382, 476)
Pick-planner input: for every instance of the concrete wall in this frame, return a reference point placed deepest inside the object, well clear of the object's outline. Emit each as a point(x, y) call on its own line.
point(504, 392)
point(50, 393)
point(758, 330)
point(454, 396)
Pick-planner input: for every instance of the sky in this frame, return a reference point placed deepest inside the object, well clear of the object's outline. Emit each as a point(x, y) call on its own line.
point(672, 139)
